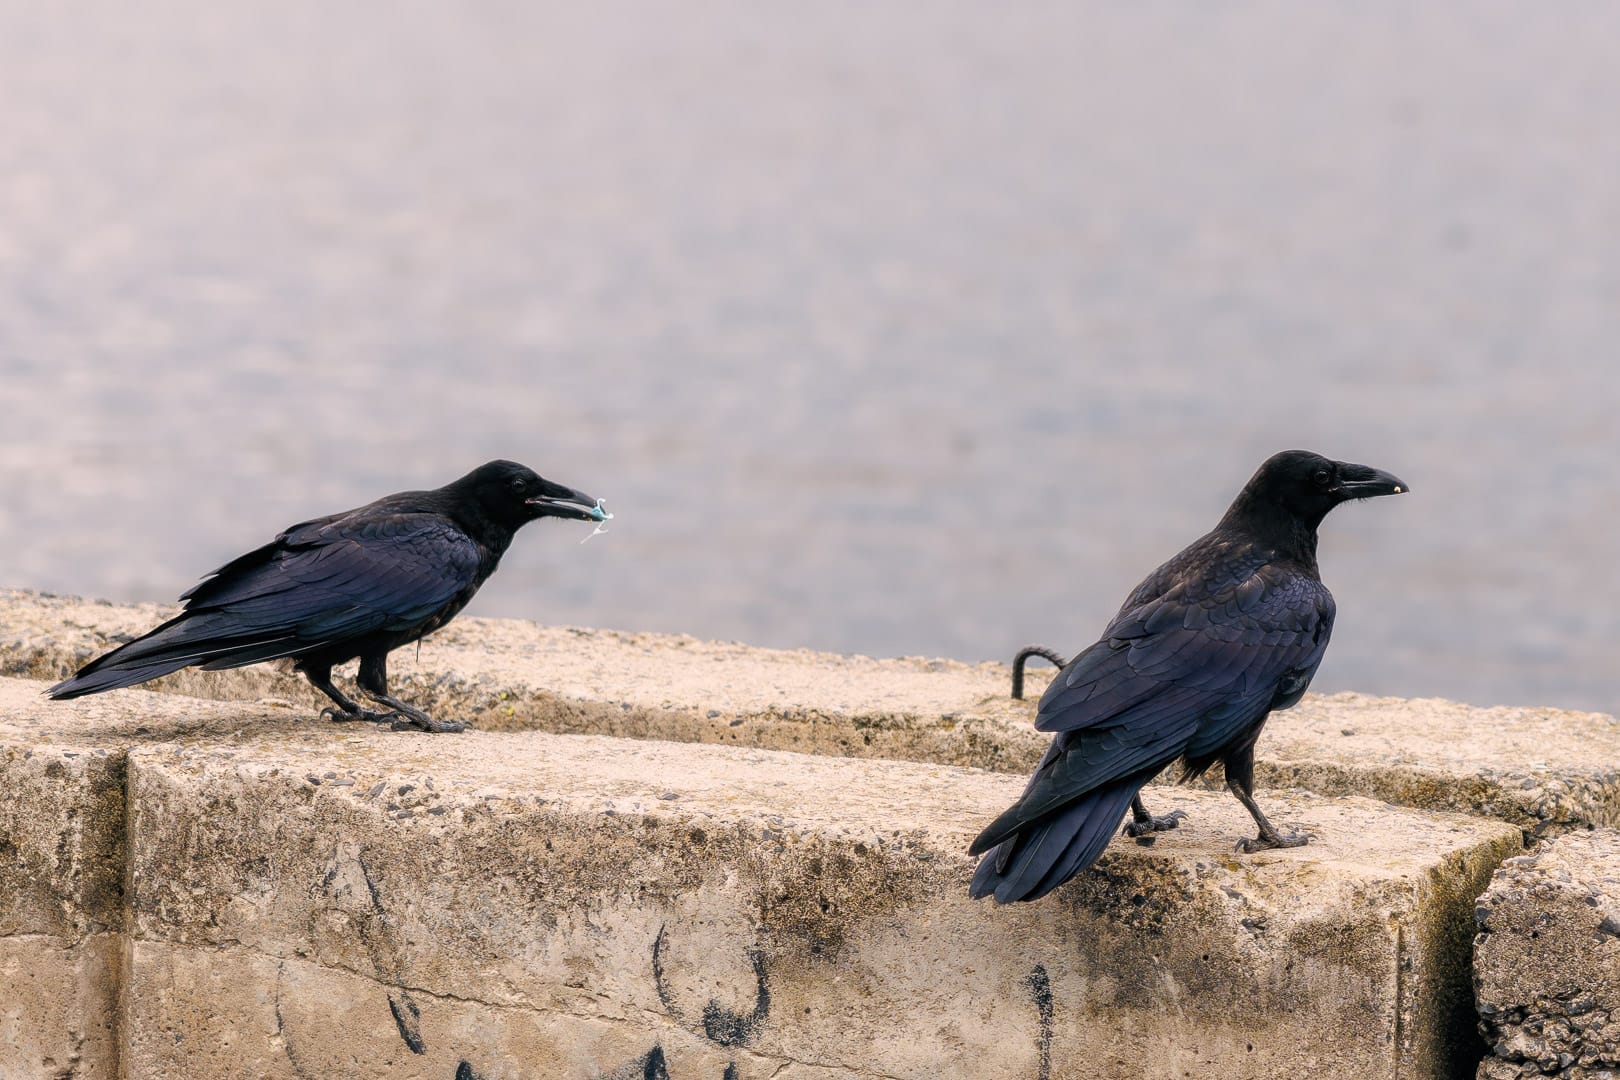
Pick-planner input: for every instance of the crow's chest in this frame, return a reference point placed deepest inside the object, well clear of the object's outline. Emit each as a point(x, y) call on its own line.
point(460, 600)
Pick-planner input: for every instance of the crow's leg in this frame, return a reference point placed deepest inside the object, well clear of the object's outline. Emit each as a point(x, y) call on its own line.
point(374, 684)
point(1143, 825)
point(1239, 767)
point(1269, 836)
point(321, 679)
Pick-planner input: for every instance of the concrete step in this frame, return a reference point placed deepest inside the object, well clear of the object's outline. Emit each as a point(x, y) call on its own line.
point(1547, 961)
point(1546, 770)
point(296, 898)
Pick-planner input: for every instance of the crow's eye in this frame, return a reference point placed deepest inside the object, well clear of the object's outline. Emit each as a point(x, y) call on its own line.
point(1323, 477)
point(519, 485)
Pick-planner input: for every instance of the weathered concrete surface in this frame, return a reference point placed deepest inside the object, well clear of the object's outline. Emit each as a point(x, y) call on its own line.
point(1546, 770)
point(303, 899)
point(246, 1016)
point(63, 860)
point(1547, 961)
point(506, 674)
point(61, 908)
point(59, 1006)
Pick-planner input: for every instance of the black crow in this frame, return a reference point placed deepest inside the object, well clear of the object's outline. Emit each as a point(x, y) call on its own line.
point(1200, 653)
point(355, 584)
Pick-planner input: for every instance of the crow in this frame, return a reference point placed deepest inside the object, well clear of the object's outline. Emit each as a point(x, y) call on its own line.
point(355, 584)
point(1199, 655)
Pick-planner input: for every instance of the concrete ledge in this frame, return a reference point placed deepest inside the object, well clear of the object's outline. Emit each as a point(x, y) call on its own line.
point(1547, 961)
point(305, 899)
point(1545, 770)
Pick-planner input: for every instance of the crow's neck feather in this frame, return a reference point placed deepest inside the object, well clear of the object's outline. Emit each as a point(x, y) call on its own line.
point(1268, 522)
point(460, 510)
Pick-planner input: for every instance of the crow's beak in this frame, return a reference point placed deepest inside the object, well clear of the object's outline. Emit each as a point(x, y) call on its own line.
point(1365, 482)
point(555, 500)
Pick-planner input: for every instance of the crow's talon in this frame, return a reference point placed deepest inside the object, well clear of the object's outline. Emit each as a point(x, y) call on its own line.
point(1251, 844)
point(1143, 831)
point(341, 716)
point(427, 723)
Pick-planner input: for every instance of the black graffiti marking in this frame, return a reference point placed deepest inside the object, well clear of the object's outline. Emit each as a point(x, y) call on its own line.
point(650, 1066)
point(1040, 988)
point(731, 1072)
point(371, 886)
point(464, 1071)
point(720, 1024)
point(281, 1028)
point(734, 1029)
point(655, 1069)
point(659, 984)
point(406, 1018)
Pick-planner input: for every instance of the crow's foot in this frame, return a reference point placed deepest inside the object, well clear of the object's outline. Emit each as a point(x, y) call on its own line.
point(397, 720)
point(1145, 829)
point(345, 716)
point(423, 722)
point(409, 717)
point(1250, 844)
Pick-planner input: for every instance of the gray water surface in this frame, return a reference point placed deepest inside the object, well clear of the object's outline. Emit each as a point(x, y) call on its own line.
point(901, 328)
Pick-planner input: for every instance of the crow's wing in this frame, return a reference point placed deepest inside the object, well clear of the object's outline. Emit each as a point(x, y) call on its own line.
point(1221, 639)
point(342, 577)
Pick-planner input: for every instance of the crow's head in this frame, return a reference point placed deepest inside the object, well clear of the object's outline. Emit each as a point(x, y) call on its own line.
point(513, 494)
point(1308, 485)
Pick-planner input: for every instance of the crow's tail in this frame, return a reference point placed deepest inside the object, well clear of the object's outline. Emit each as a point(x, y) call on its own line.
point(1045, 853)
point(209, 639)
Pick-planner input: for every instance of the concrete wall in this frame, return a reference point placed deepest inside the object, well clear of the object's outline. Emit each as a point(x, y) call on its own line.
point(236, 888)
point(1547, 961)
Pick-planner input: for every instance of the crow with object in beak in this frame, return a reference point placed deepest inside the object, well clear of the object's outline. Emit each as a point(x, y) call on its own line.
point(356, 584)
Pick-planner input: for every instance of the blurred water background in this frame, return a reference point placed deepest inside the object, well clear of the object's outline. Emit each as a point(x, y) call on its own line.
point(901, 328)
